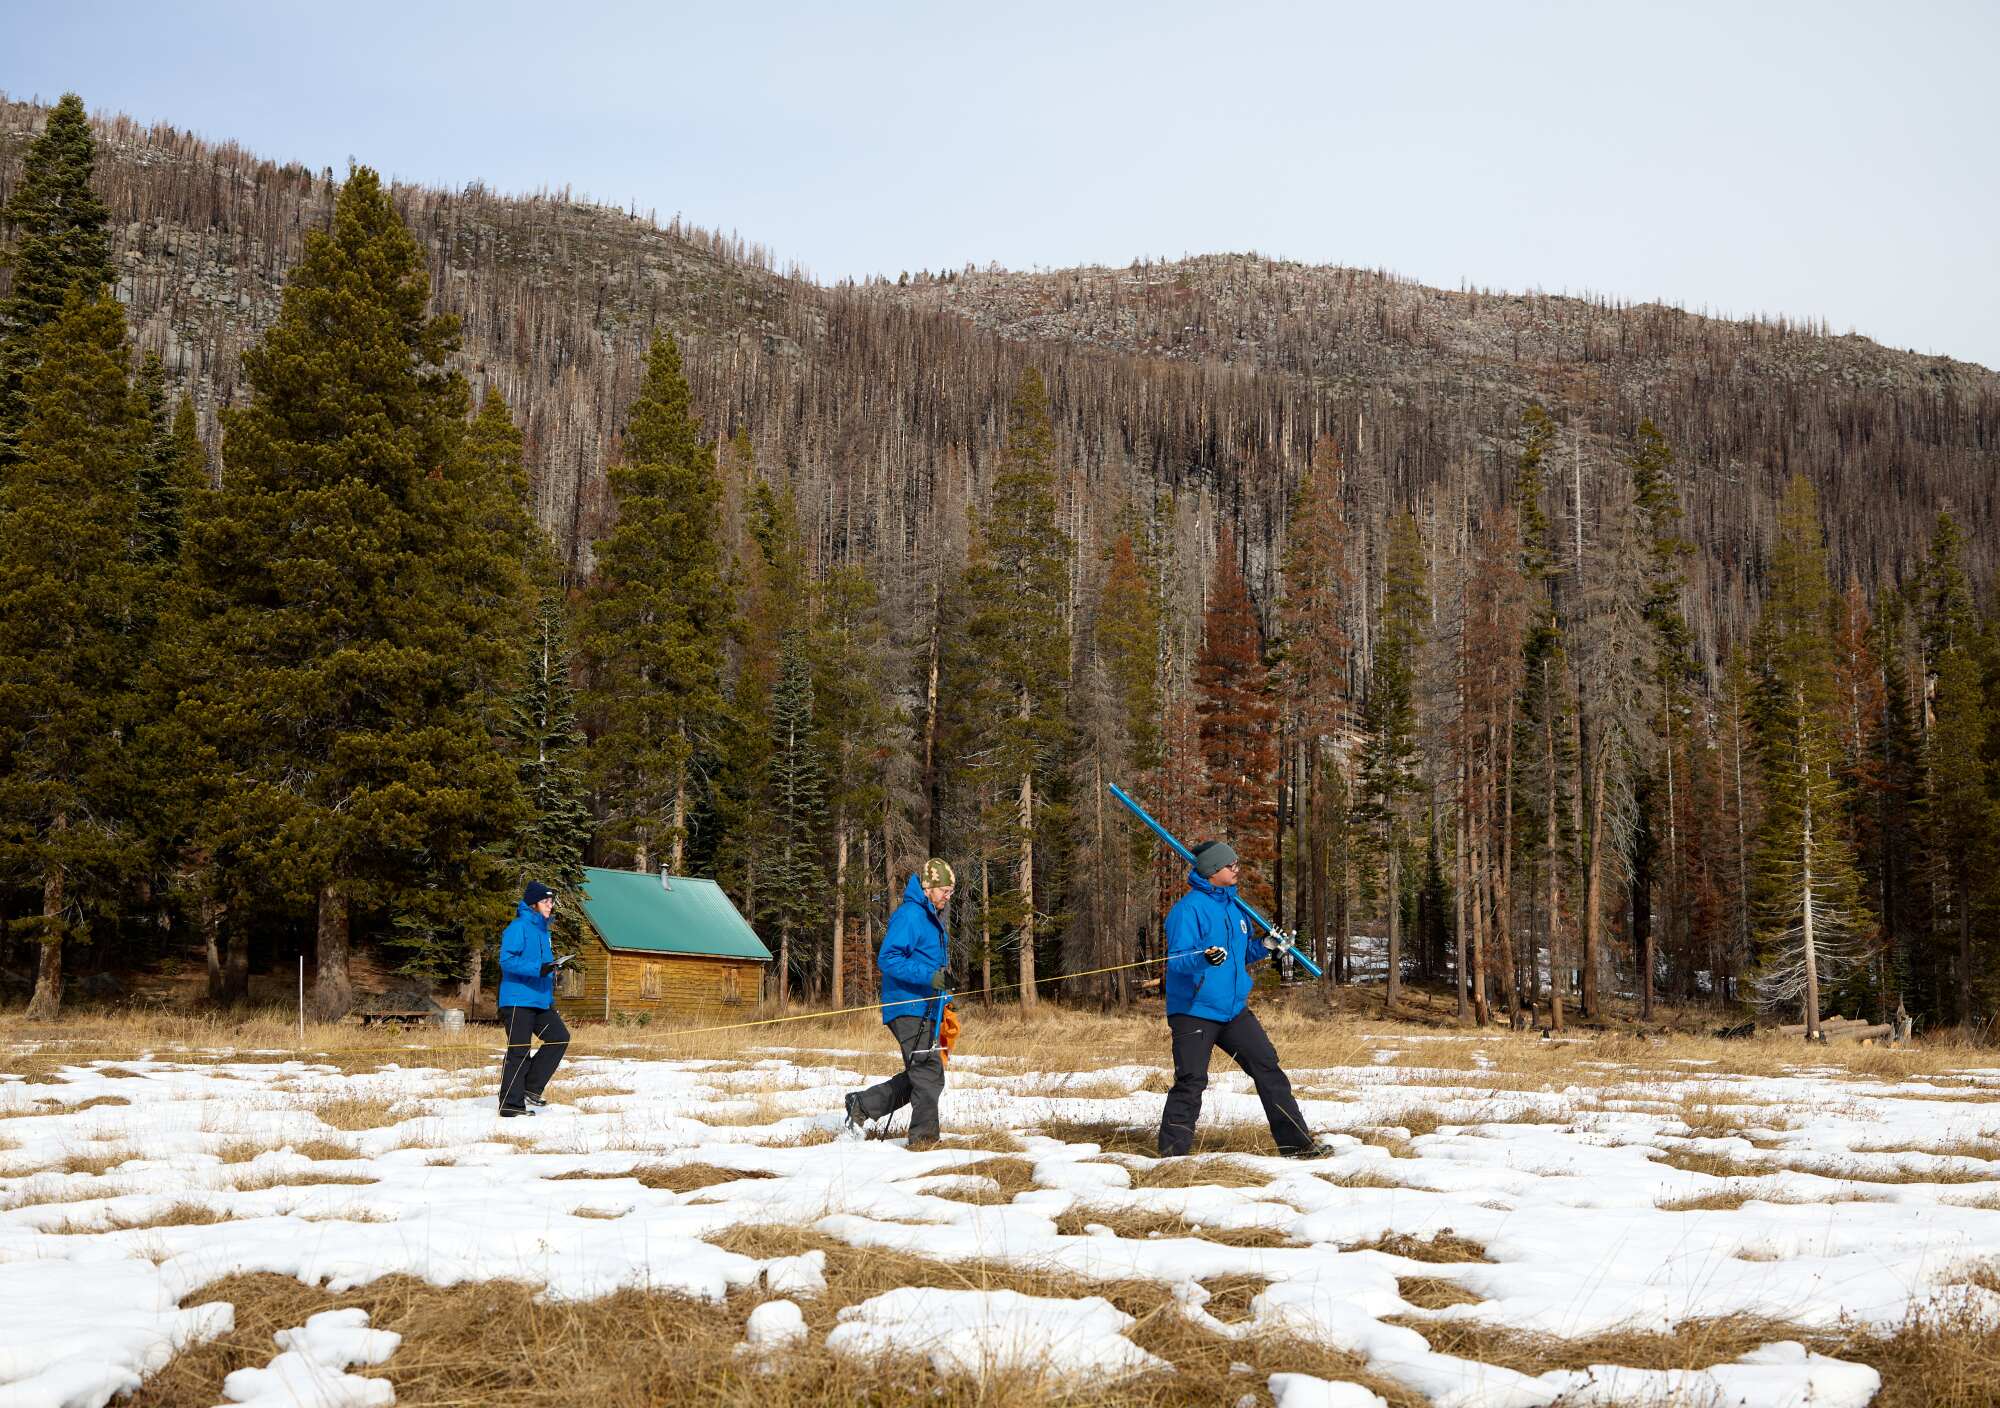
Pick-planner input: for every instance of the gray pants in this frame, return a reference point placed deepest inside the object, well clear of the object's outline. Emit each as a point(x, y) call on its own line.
point(918, 1084)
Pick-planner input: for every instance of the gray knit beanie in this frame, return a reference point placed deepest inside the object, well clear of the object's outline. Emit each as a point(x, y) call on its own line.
point(1211, 856)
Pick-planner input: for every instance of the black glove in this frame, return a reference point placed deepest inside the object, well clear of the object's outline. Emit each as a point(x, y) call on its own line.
point(1215, 955)
point(937, 981)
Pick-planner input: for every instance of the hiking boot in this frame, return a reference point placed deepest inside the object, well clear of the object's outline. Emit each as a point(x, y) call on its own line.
point(537, 1100)
point(855, 1119)
point(1309, 1151)
point(921, 1143)
point(507, 1112)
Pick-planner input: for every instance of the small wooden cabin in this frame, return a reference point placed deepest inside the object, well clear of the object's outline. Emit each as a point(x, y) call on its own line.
point(666, 945)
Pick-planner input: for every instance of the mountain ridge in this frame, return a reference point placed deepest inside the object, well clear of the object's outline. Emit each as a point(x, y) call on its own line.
point(1209, 377)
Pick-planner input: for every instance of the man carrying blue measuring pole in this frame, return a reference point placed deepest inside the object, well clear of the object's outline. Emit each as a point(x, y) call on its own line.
point(1210, 947)
point(1209, 953)
point(913, 960)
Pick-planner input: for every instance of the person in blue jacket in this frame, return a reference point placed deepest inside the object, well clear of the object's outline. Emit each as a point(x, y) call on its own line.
point(1209, 952)
point(528, 1004)
point(913, 959)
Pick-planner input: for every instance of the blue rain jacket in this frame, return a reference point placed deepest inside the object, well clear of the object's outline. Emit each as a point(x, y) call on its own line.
point(913, 948)
point(1207, 917)
point(524, 948)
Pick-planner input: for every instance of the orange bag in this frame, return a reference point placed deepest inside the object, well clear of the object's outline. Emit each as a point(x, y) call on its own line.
point(948, 1026)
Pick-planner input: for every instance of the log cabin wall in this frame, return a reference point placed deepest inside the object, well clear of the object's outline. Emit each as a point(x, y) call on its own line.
point(614, 984)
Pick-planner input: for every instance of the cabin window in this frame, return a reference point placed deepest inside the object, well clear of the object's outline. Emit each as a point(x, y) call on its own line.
point(649, 980)
point(729, 990)
point(571, 984)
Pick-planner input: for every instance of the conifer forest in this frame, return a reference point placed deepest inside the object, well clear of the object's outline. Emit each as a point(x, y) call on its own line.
point(367, 550)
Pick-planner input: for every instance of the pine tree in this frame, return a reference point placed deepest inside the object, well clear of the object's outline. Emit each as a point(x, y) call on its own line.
point(348, 624)
point(1125, 747)
point(1019, 627)
point(174, 471)
point(68, 587)
point(59, 247)
point(792, 889)
point(1960, 813)
point(854, 705)
point(500, 571)
point(1239, 723)
point(1389, 725)
point(1812, 917)
point(1315, 662)
point(655, 620)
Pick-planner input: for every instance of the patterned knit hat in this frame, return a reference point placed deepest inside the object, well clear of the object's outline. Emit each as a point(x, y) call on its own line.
point(936, 874)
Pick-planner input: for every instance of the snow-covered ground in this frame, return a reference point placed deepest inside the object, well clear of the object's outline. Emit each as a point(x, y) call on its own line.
point(1584, 1227)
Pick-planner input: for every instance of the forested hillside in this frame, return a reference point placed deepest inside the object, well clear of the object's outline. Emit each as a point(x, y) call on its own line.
point(1456, 608)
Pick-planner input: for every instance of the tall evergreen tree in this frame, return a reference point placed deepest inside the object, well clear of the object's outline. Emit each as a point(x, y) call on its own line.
point(495, 567)
point(655, 620)
point(1239, 723)
point(1812, 916)
point(1961, 818)
point(348, 631)
point(854, 705)
point(56, 223)
point(1315, 665)
point(792, 889)
point(68, 585)
point(1389, 726)
point(174, 471)
point(1018, 585)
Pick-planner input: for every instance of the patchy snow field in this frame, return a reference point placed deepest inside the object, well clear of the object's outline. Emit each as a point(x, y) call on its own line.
point(1461, 1201)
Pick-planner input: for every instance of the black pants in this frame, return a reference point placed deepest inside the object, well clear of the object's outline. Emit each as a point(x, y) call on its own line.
point(522, 1075)
point(1242, 1036)
point(918, 1084)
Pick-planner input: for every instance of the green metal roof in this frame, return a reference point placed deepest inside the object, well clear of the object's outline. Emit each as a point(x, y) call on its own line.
point(633, 911)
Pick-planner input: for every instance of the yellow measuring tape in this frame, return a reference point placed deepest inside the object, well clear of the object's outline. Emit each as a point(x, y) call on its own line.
point(140, 1050)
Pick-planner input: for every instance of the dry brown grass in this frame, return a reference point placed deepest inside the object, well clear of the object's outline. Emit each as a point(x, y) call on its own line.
point(1734, 1196)
point(675, 1178)
point(57, 1107)
point(1942, 1358)
point(256, 1181)
point(1013, 1175)
point(1722, 1165)
point(1434, 1292)
point(497, 1343)
point(1142, 1225)
point(1199, 1171)
point(96, 1163)
point(1446, 1248)
point(354, 1113)
point(179, 1215)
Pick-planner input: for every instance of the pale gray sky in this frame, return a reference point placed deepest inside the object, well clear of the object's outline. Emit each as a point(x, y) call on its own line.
point(1829, 160)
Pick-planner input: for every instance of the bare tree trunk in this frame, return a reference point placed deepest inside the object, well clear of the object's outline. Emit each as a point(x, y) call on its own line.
point(1025, 880)
point(211, 949)
point(236, 957)
point(1458, 972)
point(1963, 900)
point(1558, 968)
point(1278, 840)
point(1481, 864)
point(680, 823)
point(1593, 892)
point(47, 1001)
point(837, 970)
point(333, 990)
point(1503, 898)
point(1806, 909)
point(1392, 993)
point(475, 965)
point(985, 934)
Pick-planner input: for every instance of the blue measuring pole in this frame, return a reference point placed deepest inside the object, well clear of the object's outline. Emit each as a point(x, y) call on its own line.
point(1185, 854)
